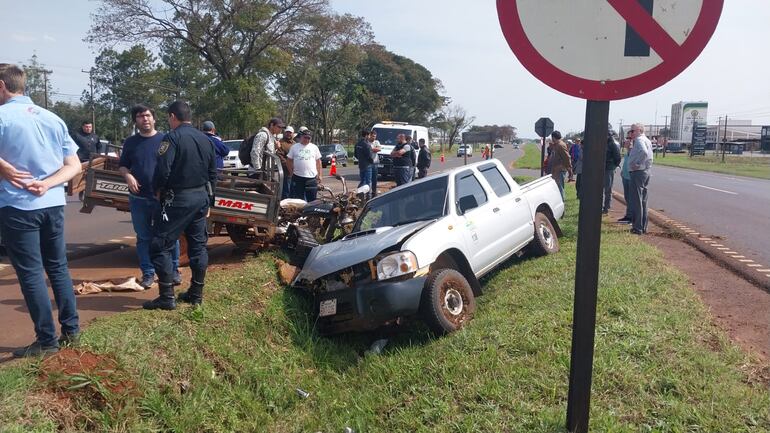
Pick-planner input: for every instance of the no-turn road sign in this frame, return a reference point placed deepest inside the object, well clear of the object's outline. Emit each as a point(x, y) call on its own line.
point(605, 50)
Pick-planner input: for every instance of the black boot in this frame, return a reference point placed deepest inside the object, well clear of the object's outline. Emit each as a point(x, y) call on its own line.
point(193, 295)
point(163, 302)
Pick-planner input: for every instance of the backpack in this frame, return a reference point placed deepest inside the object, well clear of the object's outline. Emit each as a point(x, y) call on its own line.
point(244, 150)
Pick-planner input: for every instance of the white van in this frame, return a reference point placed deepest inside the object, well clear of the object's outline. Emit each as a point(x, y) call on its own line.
point(387, 131)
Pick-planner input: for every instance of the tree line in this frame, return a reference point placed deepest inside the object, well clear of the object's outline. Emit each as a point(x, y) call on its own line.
point(240, 62)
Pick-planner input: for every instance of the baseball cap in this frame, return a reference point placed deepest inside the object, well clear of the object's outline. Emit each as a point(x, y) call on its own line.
point(288, 129)
point(208, 126)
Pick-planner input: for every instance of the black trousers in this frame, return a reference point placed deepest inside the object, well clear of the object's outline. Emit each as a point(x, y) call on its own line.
point(185, 214)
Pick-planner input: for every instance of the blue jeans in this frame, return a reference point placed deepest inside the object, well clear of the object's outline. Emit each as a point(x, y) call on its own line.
point(403, 174)
point(366, 176)
point(609, 177)
point(142, 211)
point(286, 188)
point(373, 167)
point(34, 241)
point(627, 196)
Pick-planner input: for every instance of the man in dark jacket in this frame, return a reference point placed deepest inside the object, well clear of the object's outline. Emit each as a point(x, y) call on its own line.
point(87, 141)
point(611, 162)
point(365, 156)
point(423, 160)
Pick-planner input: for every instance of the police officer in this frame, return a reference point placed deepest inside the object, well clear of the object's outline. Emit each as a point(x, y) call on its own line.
point(184, 179)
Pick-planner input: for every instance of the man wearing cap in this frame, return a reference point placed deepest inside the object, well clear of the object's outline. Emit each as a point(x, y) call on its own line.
point(304, 160)
point(284, 145)
point(264, 141)
point(220, 149)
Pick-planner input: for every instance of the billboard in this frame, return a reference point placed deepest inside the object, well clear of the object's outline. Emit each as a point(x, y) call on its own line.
point(478, 137)
point(693, 113)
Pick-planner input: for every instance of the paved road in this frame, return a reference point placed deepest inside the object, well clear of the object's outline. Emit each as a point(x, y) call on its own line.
point(732, 207)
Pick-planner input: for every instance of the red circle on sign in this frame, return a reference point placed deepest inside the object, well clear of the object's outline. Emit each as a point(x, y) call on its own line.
point(537, 65)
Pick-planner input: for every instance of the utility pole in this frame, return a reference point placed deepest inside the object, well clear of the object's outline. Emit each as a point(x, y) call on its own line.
point(93, 109)
point(724, 141)
point(665, 141)
point(620, 126)
point(45, 73)
point(719, 126)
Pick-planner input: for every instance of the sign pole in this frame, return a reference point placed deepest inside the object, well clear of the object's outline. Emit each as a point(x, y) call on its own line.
point(542, 156)
point(587, 266)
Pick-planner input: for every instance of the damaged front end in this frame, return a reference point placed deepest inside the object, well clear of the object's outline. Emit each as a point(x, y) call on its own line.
point(352, 294)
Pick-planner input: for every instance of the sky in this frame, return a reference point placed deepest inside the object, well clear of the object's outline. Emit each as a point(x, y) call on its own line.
point(461, 43)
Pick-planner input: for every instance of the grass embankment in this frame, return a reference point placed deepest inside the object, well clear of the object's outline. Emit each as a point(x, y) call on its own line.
point(758, 166)
point(530, 159)
point(235, 364)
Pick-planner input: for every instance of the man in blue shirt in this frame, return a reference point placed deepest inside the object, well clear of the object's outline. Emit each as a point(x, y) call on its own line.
point(137, 165)
point(220, 149)
point(37, 156)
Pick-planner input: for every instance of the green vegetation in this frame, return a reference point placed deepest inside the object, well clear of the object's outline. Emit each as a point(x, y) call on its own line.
point(737, 165)
point(531, 158)
point(236, 364)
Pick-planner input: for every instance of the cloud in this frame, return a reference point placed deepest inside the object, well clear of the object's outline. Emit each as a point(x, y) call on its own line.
point(49, 38)
point(23, 38)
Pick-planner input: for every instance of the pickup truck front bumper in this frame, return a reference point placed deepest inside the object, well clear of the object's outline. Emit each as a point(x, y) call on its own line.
point(368, 306)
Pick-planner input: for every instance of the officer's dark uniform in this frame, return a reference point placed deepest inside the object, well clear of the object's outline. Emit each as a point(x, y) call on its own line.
point(185, 176)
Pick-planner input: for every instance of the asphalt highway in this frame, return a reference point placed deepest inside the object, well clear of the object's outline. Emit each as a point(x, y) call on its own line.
point(734, 208)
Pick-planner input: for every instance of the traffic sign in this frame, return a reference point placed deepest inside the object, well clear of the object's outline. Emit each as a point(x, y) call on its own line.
point(622, 48)
point(543, 127)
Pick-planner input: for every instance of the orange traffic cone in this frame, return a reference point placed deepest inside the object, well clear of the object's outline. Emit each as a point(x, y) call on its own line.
point(333, 168)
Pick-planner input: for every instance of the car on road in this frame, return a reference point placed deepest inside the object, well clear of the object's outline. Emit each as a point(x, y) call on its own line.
point(336, 150)
point(463, 149)
point(232, 160)
point(420, 249)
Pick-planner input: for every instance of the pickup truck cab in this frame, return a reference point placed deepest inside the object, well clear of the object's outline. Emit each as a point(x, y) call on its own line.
point(421, 248)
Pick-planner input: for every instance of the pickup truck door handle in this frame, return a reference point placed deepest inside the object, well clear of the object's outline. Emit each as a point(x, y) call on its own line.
point(518, 199)
point(497, 209)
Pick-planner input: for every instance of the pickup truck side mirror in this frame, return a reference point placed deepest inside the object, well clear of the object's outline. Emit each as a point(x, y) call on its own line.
point(466, 203)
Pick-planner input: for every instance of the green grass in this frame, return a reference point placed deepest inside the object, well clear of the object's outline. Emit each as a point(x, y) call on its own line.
point(758, 166)
point(530, 159)
point(234, 365)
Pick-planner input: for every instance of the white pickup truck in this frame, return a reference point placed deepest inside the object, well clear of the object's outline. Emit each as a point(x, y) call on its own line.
point(420, 249)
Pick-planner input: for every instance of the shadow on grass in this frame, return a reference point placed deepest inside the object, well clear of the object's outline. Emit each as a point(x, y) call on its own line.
point(340, 352)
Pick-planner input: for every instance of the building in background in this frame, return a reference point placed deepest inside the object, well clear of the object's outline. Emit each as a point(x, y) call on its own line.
point(683, 116)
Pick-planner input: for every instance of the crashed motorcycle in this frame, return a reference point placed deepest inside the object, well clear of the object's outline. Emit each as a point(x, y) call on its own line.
point(308, 224)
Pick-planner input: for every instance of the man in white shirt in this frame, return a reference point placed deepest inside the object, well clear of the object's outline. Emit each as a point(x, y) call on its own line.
point(304, 161)
point(639, 164)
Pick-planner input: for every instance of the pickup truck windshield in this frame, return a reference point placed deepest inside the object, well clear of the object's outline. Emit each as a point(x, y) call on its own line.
point(418, 202)
point(326, 148)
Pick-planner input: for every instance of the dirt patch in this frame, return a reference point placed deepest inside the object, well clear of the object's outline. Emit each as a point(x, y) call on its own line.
point(738, 307)
point(81, 382)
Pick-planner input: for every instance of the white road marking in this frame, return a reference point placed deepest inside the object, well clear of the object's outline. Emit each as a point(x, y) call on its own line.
point(729, 252)
point(82, 247)
point(746, 261)
point(755, 265)
point(717, 245)
point(739, 257)
point(763, 270)
point(723, 248)
point(705, 239)
point(715, 189)
point(128, 237)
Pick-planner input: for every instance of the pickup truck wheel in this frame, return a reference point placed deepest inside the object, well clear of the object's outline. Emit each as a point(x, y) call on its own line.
point(447, 301)
point(545, 241)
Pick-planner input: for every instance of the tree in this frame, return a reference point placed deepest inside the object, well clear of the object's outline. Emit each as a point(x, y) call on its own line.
point(37, 87)
point(405, 90)
point(452, 120)
point(121, 80)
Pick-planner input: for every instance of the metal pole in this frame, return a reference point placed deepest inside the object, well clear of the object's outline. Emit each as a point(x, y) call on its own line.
point(587, 266)
point(724, 141)
point(668, 133)
point(93, 109)
point(542, 156)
